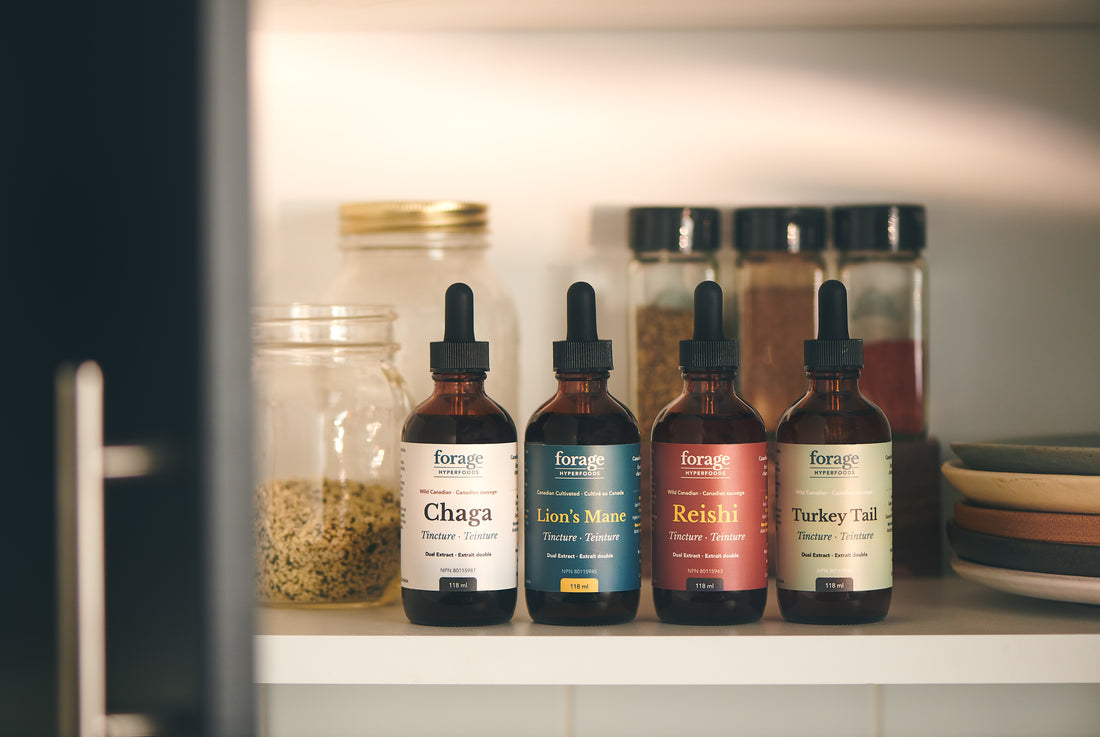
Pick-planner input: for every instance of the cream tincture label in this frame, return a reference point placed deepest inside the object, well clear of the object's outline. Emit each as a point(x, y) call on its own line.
point(834, 517)
point(459, 517)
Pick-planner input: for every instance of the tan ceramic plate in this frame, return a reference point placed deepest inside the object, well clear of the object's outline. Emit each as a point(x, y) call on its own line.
point(1036, 492)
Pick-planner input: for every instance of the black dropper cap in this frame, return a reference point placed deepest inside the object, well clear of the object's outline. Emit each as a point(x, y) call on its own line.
point(708, 348)
point(891, 228)
point(833, 349)
point(582, 350)
point(458, 351)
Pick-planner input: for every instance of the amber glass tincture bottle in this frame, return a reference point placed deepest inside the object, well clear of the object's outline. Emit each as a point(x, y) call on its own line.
point(834, 480)
point(582, 522)
point(710, 486)
point(459, 492)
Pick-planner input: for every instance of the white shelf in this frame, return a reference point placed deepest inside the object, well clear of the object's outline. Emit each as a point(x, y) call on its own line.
point(938, 631)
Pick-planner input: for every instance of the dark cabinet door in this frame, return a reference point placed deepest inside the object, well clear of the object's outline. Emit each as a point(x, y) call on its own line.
point(124, 240)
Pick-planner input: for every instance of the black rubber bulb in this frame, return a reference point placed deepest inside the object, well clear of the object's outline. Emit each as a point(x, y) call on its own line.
point(580, 313)
point(832, 311)
point(458, 314)
point(708, 312)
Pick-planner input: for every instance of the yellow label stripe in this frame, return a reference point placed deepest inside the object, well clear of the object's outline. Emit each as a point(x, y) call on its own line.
point(584, 585)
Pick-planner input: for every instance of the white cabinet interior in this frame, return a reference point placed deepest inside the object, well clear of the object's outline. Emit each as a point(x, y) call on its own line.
point(562, 115)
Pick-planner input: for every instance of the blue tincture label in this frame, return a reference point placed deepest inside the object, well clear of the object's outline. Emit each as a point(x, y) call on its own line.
point(582, 518)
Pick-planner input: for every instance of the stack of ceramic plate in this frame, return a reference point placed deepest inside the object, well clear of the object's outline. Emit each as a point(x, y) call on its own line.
point(1030, 522)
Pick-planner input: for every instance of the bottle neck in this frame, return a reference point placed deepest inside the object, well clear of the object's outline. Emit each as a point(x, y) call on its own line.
point(458, 383)
point(708, 381)
point(833, 381)
point(582, 382)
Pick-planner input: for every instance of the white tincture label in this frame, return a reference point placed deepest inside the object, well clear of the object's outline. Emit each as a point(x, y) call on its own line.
point(834, 517)
point(459, 517)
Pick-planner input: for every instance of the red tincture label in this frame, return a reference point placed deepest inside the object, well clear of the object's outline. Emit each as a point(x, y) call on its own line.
point(710, 516)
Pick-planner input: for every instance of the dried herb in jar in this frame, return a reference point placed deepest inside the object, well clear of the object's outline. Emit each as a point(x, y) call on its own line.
point(333, 543)
point(660, 330)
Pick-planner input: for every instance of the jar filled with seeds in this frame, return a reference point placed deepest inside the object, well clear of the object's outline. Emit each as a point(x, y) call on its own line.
point(329, 405)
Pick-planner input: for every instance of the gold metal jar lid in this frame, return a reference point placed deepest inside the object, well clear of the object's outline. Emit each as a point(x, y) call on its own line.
point(413, 216)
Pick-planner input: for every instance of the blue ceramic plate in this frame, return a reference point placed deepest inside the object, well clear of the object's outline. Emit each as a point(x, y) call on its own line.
point(1065, 454)
point(1024, 555)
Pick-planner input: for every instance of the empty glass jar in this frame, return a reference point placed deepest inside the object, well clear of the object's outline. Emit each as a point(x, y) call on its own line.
point(406, 254)
point(329, 405)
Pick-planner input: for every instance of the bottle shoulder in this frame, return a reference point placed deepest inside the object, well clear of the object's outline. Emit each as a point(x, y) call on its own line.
point(473, 404)
point(480, 420)
point(841, 419)
point(572, 420)
point(597, 403)
point(719, 417)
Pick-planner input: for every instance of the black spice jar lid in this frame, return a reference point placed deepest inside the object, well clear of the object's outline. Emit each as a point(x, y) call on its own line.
point(674, 229)
point(879, 228)
point(789, 229)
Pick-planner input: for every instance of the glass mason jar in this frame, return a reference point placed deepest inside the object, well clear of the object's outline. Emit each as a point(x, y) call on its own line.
point(780, 266)
point(673, 251)
point(879, 251)
point(329, 405)
point(405, 254)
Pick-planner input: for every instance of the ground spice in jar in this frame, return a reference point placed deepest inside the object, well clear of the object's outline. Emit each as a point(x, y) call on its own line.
point(333, 543)
point(880, 260)
point(774, 321)
point(660, 330)
point(780, 265)
point(893, 379)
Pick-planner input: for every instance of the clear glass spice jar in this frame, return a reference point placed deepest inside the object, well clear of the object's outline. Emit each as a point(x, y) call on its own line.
point(396, 253)
point(880, 262)
point(673, 251)
point(329, 405)
point(780, 266)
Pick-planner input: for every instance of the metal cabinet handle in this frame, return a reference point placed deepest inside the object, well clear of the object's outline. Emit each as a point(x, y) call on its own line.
point(82, 465)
